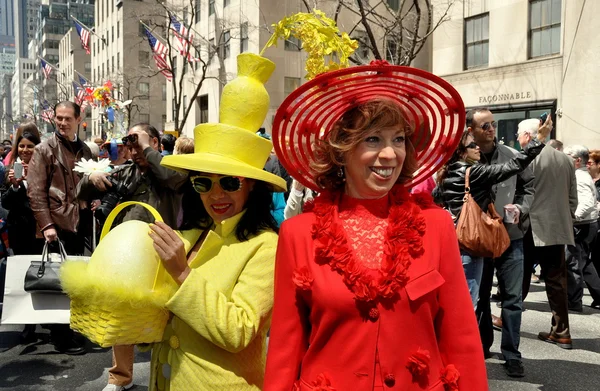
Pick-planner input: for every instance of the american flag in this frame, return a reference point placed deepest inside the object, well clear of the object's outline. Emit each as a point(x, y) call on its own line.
point(80, 95)
point(160, 54)
point(84, 36)
point(184, 37)
point(46, 68)
point(47, 112)
point(83, 81)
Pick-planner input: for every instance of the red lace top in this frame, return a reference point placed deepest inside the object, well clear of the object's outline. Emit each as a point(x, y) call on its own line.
point(365, 223)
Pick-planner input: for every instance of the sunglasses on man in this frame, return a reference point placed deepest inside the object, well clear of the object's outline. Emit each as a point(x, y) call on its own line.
point(486, 126)
point(203, 184)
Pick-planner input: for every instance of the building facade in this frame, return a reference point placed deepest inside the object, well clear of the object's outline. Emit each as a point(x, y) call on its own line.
point(7, 14)
point(25, 24)
point(523, 58)
point(23, 86)
point(121, 55)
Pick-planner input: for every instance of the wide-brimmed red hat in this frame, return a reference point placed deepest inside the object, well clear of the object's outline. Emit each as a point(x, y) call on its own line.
point(433, 108)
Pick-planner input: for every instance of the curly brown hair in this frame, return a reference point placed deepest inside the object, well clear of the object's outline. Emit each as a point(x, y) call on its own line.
point(595, 155)
point(350, 130)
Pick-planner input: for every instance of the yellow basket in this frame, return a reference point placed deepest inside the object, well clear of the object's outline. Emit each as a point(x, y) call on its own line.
point(109, 323)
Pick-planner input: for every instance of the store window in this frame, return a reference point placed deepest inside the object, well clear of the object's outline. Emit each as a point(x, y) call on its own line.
point(477, 31)
point(544, 25)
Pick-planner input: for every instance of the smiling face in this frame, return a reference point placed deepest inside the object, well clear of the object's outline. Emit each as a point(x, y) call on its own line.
point(25, 150)
point(66, 122)
point(483, 128)
point(221, 204)
point(374, 166)
point(472, 152)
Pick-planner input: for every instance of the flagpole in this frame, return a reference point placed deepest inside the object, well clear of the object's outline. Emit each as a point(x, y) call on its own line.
point(153, 33)
point(50, 64)
point(90, 30)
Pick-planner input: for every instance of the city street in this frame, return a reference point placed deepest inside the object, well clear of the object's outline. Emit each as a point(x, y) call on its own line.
point(547, 367)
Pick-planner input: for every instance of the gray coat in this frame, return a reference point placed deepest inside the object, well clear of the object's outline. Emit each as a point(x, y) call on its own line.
point(517, 190)
point(555, 202)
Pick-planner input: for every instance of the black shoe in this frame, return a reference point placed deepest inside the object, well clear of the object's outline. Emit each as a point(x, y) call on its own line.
point(514, 368)
point(70, 347)
point(576, 307)
point(487, 354)
point(595, 305)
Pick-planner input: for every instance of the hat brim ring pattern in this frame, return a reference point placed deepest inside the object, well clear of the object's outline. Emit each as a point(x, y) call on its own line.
point(434, 109)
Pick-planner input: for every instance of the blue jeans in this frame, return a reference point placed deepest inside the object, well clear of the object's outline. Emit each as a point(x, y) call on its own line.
point(473, 267)
point(510, 280)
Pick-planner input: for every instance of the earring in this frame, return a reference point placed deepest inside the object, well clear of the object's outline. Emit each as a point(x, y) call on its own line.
point(341, 175)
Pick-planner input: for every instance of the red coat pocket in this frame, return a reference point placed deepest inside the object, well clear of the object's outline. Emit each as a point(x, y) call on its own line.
point(423, 284)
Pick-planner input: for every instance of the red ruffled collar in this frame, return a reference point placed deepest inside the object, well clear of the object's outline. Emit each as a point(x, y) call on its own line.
point(403, 243)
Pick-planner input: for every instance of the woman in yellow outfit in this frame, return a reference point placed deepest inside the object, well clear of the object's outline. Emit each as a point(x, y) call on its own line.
point(216, 337)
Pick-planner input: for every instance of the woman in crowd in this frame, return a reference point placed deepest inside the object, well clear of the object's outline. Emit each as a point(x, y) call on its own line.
point(369, 290)
point(450, 191)
point(223, 258)
point(20, 223)
point(594, 169)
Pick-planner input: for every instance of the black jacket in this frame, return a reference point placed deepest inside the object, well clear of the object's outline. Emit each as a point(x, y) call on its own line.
point(482, 178)
point(20, 223)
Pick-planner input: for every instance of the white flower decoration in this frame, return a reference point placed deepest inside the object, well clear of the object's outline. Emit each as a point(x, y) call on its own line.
point(88, 166)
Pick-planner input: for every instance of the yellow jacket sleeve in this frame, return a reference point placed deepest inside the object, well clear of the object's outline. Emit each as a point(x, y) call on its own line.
point(230, 321)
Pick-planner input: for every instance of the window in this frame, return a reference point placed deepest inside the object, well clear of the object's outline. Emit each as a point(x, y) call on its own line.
point(292, 44)
point(197, 6)
point(164, 120)
point(185, 104)
point(211, 7)
point(544, 24)
point(244, 37)
point(203, 103)
point(118, 61)
point(144, 58)
point(225, 3)
point(290, 84)
point(164, 92)
point(477, 41)
point(394, 4)
point(144, 90)
point(391, 50)
point(118, 30)
point(362, 53)
point(88, 66)
point(145, 118)
point(185, 14)
point(112, 62)
point(226, 44)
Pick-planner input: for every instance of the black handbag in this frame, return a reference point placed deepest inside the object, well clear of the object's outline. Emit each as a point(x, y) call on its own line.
point(42, 276)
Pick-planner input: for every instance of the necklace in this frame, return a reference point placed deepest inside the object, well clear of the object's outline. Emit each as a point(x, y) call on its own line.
point(403, 242)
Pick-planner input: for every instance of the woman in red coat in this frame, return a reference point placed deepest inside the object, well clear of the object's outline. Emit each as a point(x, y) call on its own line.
point(369, 287)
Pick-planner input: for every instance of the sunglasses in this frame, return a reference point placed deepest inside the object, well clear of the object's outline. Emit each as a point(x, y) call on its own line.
point(486, 126)
point(204, 184)
point(472, 145)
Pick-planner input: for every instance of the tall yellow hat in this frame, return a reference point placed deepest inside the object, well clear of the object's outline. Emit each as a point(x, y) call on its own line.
point(232, 146)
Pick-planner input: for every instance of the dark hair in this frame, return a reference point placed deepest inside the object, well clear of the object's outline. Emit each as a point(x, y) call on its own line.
point(168, 142)
point(28, 127)
point(456, 156)
point(471, 115)
point(257, 218)
point(350, 130)
point(68, 103)
point(151, 130)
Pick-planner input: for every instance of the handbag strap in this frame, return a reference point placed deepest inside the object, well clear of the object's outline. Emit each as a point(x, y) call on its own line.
point(467, 184)
point(111, 217)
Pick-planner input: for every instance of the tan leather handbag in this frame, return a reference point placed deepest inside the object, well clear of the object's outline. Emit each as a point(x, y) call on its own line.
point(481, 234)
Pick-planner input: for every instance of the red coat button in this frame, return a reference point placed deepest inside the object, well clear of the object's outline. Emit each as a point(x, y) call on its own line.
point(389, 380)
point(373, 314)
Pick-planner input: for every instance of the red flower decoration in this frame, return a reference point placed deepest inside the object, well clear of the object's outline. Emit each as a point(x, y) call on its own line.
point(377, 63)
point(449, 377)
point(322, 383)
point(302, 278)
point(418, 363)
point(403, 242)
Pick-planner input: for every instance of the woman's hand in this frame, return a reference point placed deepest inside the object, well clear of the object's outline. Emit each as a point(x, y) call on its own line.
point(16, 182)
point(171, 251)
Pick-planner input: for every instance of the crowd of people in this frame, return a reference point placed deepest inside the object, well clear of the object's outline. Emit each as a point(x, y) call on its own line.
point(340, 252)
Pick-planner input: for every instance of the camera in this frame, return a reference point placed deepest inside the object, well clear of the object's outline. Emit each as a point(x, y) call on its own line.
point(131, 139)
point(115, 193)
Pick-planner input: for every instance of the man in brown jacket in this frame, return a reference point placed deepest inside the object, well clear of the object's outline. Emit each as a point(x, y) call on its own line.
point(52, 181)
point(51, 189)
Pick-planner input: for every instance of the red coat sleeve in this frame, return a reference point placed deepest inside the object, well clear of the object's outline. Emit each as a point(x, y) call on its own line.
point(458, 334)
point(289, 334)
